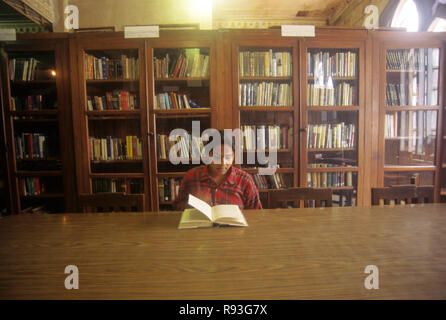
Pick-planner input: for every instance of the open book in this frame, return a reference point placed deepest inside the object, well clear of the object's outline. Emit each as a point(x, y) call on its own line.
point(206, 216)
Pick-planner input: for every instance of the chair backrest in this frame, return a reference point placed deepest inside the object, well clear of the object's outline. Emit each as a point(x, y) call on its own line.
point(111, 202)
point(405, 194)
point(307, 197)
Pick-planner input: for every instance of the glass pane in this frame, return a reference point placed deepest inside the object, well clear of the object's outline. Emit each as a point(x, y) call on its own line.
point(332, 77)
point(332, 139)
point(412, 77)
point(410, 137)
point(265, 62)
point(404, 177)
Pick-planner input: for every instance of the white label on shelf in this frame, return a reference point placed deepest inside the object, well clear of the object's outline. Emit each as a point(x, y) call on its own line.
point(171, 88)
point(298, 31)
point(142, 32)
point(7, 35)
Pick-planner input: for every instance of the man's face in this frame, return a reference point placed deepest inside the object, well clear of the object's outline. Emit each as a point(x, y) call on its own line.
point(226, 156)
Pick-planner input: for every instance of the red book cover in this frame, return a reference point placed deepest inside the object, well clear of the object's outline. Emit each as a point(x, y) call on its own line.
point(30, 102)
point(37, 185)
point(30, 145)
point(124, 104)
point(22, 187)
point(177, 68)
point(284, 133)
point(127, 186)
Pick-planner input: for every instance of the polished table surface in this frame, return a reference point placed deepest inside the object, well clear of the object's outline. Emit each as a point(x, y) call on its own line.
point(283, 254)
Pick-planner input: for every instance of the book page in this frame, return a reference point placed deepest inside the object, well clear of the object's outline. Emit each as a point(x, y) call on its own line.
point(192, 218)
point(201, 206)
point(229, 214)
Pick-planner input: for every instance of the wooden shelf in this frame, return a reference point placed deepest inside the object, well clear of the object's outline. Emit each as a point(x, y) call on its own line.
point(403, 70)
point(34, 112)
point(37, 160)
point(182, 79)
point(117, 175)
point(22, 82)
point(41, 173)
point(332, 108)
point(267, 108)
point(36, 120)
point(337, 78)
point(116, 161)
point(182, 111)
point(286, 78)
point(170, 174)
point(44, 196)
point(167, 160)
point(410, 108)
point(330, 149)
point(443, 192)
point(113, 114)
point(408, 168)
point(91, 81)
point(333, 169)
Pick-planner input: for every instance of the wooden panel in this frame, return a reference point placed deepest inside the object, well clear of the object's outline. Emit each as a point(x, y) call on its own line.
point(318, 253)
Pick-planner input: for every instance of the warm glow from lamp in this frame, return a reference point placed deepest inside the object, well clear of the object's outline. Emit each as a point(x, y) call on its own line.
point(202, 10)
point(53, 73)
point(406, 16)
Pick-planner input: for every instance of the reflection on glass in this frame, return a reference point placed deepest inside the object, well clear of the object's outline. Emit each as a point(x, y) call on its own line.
point(412, 77)
point(332, 76)
point(410, 137)
point(402, 178)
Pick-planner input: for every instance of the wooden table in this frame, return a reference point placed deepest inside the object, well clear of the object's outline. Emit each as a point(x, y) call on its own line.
point(283, 254)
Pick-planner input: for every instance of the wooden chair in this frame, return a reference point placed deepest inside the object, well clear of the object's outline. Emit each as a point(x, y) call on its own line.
point(309, 197)
point(111, 202)
point(405, 194)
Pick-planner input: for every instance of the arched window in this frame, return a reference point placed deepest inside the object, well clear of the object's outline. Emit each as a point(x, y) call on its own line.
point(406, 16)
point(438, 25)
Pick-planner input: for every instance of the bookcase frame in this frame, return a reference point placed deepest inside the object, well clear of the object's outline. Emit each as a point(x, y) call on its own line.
point(178, 40)
point(393, 40)
point(79, 44)
point(360, 45)
point(57, 43)
point(266, 40)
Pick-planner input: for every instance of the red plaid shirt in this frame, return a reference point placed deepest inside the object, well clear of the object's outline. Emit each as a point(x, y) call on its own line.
point(238, 188)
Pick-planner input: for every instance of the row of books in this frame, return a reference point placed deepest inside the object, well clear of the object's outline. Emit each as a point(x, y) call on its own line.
point(103, 68)
point(115, 100)
point(409, 59)
point(332, 135)
point(168, 189)
point(274, 181)
point(262, 137)
point(329, 179)
point(132, 186)
point(329, 64)
point(189, 63)
point(110, 148)
point(31, 102)
point(265, 94)
point(184, 146)
point(416, 130)
point(265, 63)
point(31, 146)
point(173, 100)
point(31, 186)
point(413, 91)
point(343, 94)
point(22, 69)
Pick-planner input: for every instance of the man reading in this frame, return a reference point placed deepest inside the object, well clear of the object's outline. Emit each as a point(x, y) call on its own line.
point(219, 182)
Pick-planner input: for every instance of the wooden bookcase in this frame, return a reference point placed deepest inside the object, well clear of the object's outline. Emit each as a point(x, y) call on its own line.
point(370, 155)
point(110, 114)
point(410, 110)
point(265, 99)
point(332, 118)
point(181, 69)
point(37, 116)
